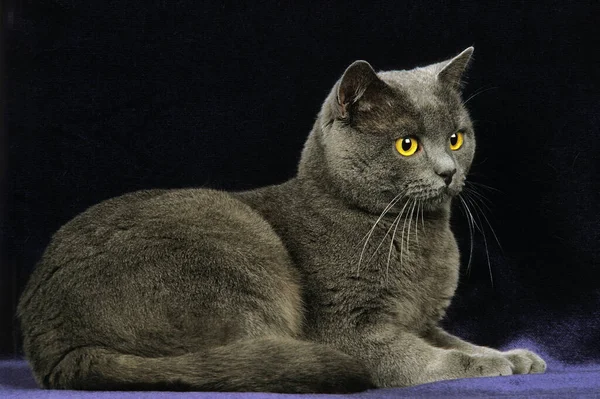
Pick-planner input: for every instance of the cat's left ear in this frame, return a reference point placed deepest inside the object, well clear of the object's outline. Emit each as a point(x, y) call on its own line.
point(451, 74)
point(355, 81)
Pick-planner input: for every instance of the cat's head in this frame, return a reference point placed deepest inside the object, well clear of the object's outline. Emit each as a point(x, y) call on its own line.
point(396, 133)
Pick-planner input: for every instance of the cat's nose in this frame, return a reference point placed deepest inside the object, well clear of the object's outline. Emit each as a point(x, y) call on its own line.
point(447, 175)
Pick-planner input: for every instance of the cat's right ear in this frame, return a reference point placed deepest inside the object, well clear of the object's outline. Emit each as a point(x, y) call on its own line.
point(455, 68)
point(353, 85)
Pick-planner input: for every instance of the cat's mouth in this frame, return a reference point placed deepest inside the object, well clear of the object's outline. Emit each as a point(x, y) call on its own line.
point(431, 194)
point(436, 196)
point(426, 196)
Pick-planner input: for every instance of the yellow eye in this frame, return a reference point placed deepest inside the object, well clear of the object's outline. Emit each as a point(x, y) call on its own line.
point(456, 141)
point(407, 146)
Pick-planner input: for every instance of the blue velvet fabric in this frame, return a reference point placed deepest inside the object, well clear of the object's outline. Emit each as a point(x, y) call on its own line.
point(562, 380)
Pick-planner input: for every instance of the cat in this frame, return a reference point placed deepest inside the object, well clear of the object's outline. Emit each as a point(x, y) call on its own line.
point(334, 281)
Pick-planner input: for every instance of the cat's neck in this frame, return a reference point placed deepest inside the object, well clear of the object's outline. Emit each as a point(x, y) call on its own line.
point(313, 175)
point(312, 169)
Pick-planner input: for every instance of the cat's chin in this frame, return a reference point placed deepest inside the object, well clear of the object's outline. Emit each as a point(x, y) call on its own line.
point(440, 200)
point(437, 202)
point(428, 202)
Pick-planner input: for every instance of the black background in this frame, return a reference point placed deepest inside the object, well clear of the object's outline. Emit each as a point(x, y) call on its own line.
point(106, 97)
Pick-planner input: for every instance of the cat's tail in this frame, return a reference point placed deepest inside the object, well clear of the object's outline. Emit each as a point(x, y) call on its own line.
point(268, 365)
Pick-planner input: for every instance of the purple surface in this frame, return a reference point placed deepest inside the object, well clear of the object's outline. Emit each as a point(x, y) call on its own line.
point(560, 381)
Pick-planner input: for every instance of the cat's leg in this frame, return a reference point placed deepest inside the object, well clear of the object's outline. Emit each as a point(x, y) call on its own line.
point(400, 358)
point(524, 361)
point(268, 364)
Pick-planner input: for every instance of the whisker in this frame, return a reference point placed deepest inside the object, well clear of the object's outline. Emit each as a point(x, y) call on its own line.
point(385, 210)
point(485, 200)
point(485, 186)
point(474, 203)
point(475, 197)
point(402, 243)
point(367, 237)
point(470, 224)
point(417, 221)
point(423, 216)
point(480, 228)
point(478, 92)
point(383, 239)
point(397, 222)
point(409, 223)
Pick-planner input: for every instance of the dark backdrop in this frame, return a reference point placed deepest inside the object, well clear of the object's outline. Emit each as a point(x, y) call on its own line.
point(106, 97)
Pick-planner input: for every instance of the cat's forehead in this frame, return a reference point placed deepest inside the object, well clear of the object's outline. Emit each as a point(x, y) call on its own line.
point(419, 87)
point(413, 100)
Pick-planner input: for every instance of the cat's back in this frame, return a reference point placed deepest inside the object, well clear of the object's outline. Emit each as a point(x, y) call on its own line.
point(126, 229)
point(154, 214)
point(150, 272)
point(159, 208)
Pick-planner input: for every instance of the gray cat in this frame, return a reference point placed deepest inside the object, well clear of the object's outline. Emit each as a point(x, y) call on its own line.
point(334, 281)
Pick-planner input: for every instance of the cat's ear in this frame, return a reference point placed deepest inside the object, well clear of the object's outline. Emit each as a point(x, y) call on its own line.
point(451, 74)
point(353, 85)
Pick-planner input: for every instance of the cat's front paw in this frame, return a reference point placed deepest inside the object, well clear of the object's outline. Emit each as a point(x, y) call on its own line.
point(525, 361)
point(462, 365)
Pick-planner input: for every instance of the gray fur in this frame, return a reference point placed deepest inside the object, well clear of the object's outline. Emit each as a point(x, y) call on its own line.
point(314, 285)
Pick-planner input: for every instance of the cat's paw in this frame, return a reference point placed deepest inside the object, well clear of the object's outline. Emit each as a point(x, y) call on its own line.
point(525, 361)
point(463, 365)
